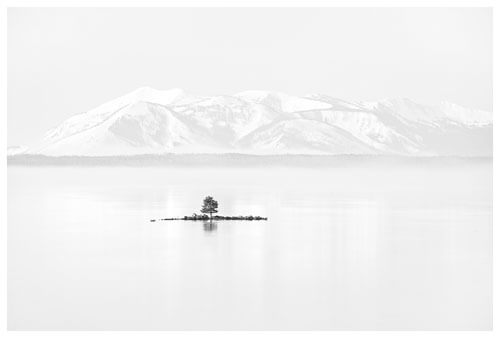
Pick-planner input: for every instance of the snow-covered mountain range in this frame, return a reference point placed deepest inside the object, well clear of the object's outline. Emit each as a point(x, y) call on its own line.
point(150, 121)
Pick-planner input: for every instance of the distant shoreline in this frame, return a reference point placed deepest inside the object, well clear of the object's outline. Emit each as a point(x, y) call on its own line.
point(235, 160)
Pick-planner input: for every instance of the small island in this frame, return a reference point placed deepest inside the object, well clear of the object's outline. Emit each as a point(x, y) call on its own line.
point(210, 206)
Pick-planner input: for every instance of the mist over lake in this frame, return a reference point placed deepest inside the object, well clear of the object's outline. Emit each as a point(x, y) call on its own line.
point(345, 247)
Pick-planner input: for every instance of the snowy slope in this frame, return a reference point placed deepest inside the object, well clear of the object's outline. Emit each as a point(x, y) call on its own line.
point(149, 121)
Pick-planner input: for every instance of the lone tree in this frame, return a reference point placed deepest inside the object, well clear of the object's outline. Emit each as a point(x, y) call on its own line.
point(209, 206)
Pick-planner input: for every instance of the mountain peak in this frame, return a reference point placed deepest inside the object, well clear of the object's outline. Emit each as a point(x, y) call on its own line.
point(282, 102)
point(152, 95)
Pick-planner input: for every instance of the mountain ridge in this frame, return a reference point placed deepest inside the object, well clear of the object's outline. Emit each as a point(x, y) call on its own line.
point(150, 121)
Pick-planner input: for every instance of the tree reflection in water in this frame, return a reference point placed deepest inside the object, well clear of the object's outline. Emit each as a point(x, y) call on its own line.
point(209, 225)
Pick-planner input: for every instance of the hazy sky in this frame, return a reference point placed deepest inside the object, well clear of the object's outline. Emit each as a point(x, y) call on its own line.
point(65, 61)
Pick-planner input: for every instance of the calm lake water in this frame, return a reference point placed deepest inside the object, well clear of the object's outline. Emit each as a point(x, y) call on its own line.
point(372, 247)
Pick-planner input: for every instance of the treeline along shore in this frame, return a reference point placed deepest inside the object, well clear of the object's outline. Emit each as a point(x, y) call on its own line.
point(238, 160)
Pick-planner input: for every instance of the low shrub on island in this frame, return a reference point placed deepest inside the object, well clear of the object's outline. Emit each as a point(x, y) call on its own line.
point(210, 207)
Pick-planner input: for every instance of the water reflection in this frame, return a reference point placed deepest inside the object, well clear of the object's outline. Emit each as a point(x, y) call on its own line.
point(209, 225)
point(340, 250)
